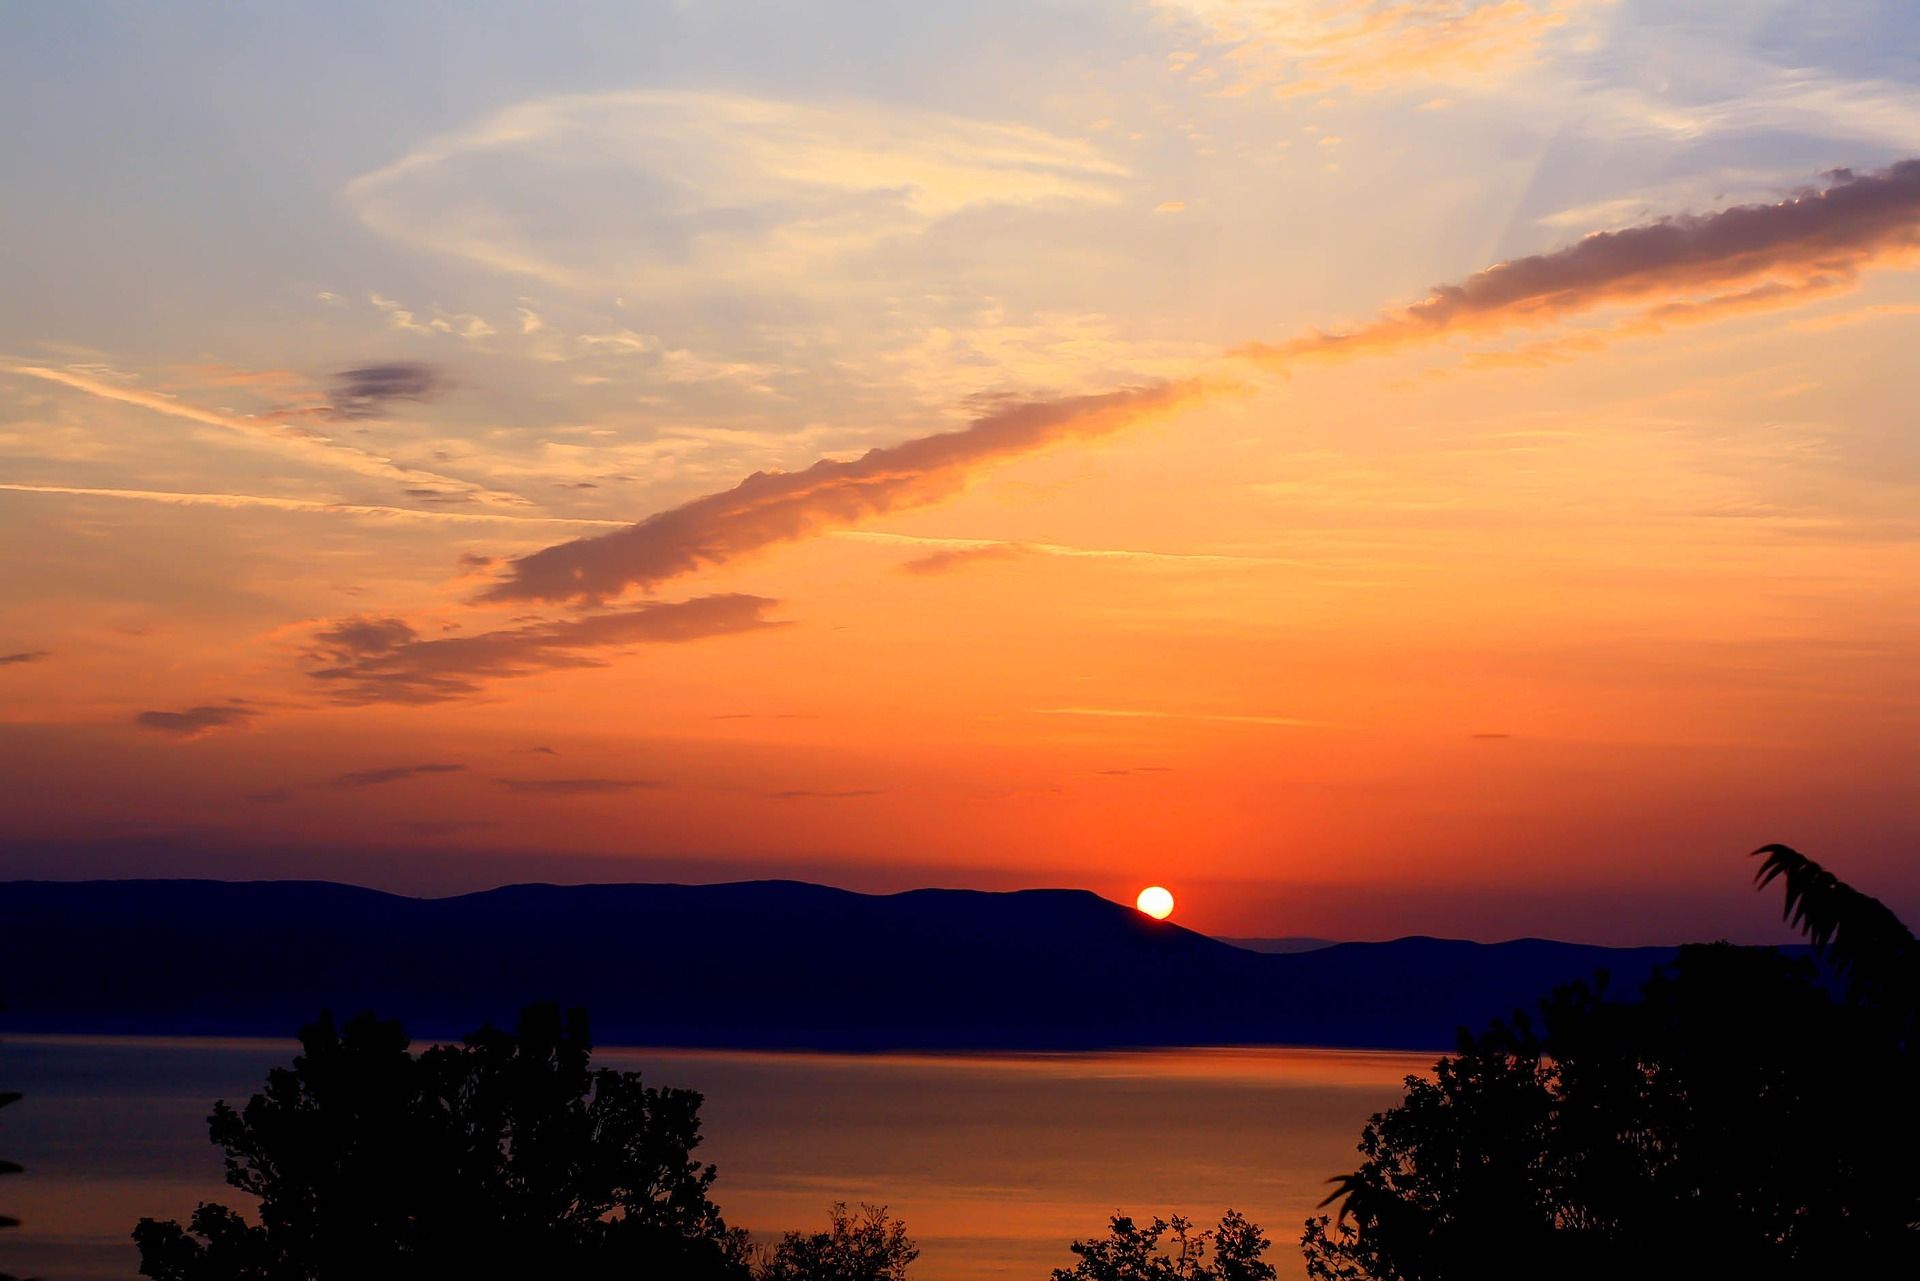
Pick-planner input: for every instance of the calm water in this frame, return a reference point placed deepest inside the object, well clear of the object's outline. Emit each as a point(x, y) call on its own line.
point(996, 1163)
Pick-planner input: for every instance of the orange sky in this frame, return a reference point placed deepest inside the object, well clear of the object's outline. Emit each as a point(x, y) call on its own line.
point(1372, 469)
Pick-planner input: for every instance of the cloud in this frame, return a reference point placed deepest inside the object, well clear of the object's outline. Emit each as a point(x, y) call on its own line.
point(196, 722)
point(815, 794)
point(1136, 713)
point(392, 774)
point(367, 391)
point(1770, 296)
point(384, 660)
point(944, 562)
point(771, 508)
point(576, 786)
point(304, 505)
point(25, 656)
point(1367, 46)
point(281, 436)
point(1859, 315)
point(991, 548)
point(1805, 241)
point(678, 186)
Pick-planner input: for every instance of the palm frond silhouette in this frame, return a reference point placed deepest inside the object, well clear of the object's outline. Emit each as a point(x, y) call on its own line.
point(1856, 933)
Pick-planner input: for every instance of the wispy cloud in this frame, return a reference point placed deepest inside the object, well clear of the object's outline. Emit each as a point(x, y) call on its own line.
point(751, 189)
point(955, 553)
point(1815, 236)
point(305, 505)
point(282, 437)
point(771, 508)
point(393, 774)
point(384, 660)
point(1858, 315)
point(1299, 47)
point(1138, 713)
point(25, 656)
point(196, 722)
point(826, 794)
point(577, 786)
point(949, 559)
point(368, 390)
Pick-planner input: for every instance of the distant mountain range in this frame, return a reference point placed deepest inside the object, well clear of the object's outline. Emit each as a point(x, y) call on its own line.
point(762, 964)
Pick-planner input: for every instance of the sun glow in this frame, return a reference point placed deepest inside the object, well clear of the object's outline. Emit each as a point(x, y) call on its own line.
point(1156, 902)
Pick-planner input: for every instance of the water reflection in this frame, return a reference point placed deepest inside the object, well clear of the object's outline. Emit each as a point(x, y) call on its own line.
point(996, 1162)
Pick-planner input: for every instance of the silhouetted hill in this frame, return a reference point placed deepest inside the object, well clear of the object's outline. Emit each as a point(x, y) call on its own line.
point(766, 964)
point(1278, 946)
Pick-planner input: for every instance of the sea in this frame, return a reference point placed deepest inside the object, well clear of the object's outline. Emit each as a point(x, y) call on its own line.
point(995, 1162)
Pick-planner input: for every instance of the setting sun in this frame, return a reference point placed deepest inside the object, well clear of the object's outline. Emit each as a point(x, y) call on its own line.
point(1155, 901)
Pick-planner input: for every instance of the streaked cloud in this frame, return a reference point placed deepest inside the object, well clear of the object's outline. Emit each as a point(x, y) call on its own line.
point(962, 551)
point(282, 437)
point(1301, 47)
point(1147, 714)
point(367, 391)
point(394, 774)
point(385, 660)
point(25, 656)
point(1810, 238)
point(949, 559)
point(736, 187)
point(577, 786)
point(771, 508)
point(315, 506)
point(196, 722)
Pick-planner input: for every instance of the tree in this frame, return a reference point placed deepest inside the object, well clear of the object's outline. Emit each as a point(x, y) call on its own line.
point(8, 1097)
point(1735, 1120)
point(868, 1246)
point(1170, 1250)
point(506, 1156)
point(1857, 934)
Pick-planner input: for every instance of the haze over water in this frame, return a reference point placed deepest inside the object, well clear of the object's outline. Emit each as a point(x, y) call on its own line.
point(996, 1162)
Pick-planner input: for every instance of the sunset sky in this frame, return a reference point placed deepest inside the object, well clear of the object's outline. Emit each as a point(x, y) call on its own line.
point(1374, 466)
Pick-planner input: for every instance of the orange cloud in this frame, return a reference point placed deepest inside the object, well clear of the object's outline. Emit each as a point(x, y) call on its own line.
point(1813, 237)
point(943, 562)
point(285, 438)
point(178, 499)
point(384, 660)
point(1368, 45)
point(196, 722)
point(770, 508)
point(1771, 296)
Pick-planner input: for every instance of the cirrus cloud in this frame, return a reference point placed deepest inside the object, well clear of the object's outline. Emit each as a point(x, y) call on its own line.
point(663, 185)
point(385, 660)
point(770, 508)
point(1811, 239)
point(197, 722)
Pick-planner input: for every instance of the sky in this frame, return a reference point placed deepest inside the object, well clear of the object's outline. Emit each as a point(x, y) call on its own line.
point(1372, 466)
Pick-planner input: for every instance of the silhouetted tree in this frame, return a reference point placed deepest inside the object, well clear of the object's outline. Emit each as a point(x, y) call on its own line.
point(868, 1246)
point(1170, 1250)
point(1735, 1121)
point(1857, 934)
point(507, 1156)
point(8, 1097)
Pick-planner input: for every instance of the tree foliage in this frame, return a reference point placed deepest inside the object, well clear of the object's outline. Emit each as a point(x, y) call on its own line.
point(1735, 1120)
point(8, 1097)
point(1171, 1250)
point(506, 1156)
point(1856, 933)
point(862, 1246)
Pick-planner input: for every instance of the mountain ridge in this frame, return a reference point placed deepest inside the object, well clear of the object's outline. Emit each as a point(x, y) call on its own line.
point(765, 964)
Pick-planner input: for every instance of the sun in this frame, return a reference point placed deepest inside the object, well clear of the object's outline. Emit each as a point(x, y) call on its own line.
point(1156, 902)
